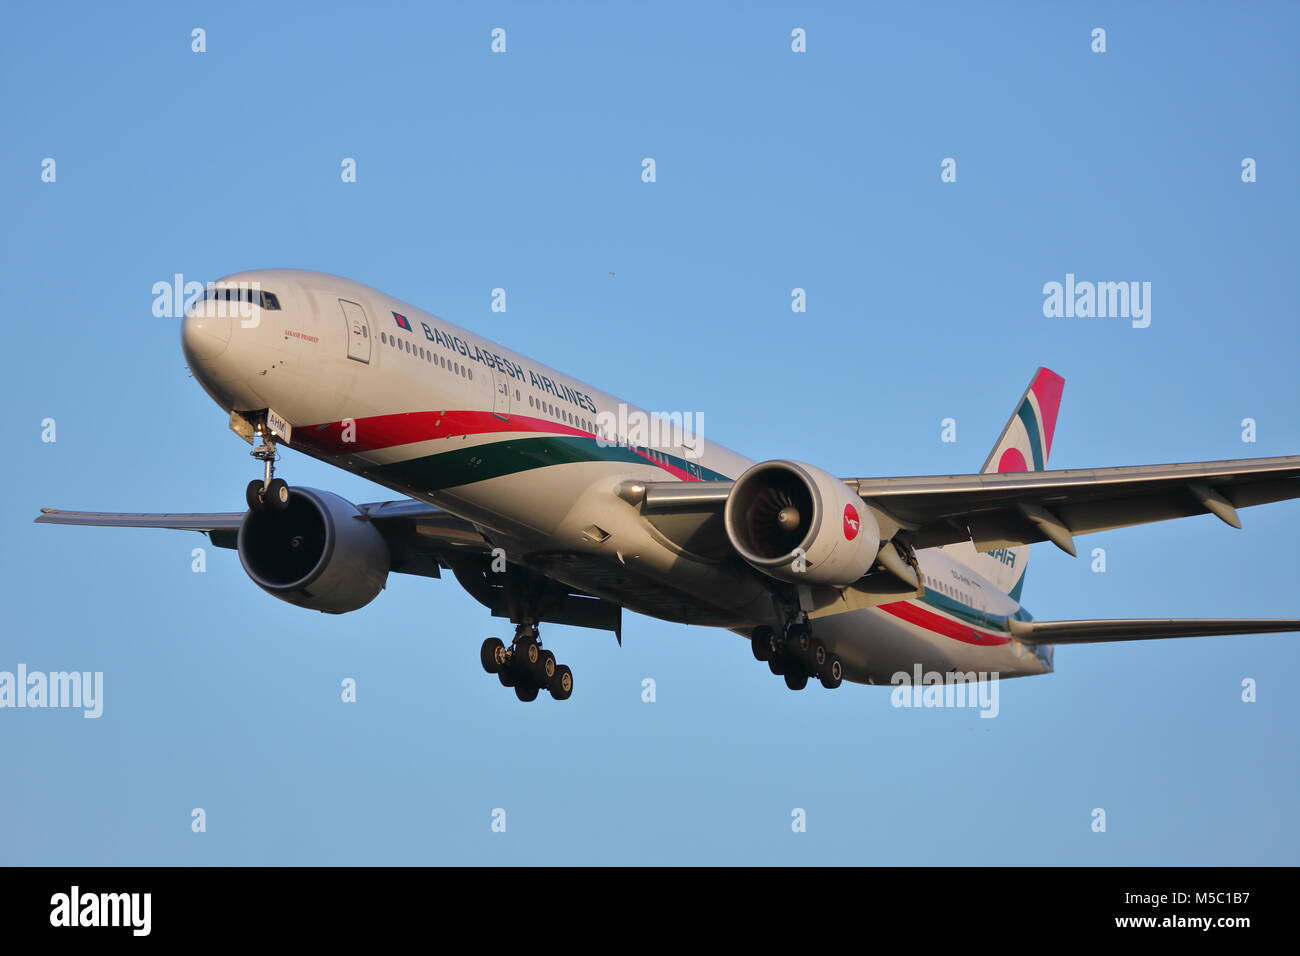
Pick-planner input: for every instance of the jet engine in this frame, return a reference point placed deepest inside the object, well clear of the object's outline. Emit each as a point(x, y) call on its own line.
point(319, 552)
point(799, 524)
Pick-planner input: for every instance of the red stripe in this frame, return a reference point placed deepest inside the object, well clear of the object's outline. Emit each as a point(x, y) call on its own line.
point(406, 428)
point(947, 627)
point(1047, 389)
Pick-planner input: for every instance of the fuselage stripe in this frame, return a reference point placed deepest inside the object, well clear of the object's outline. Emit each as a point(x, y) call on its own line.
point(562, 444)
point(913, 613)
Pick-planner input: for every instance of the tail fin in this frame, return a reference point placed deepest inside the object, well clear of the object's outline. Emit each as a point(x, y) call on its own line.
point(1024, 445)
point(1026, 441)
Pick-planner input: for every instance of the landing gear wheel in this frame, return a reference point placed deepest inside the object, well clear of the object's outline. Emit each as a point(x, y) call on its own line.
point(276, 495)
point(492, 655)
point(833, 674)
point(796, 680)
point(819, 655)
point(798, 637)
point(266, 494)
point(527, 652)
point(526, 666)
point(561, 685)
point(761, 643)
point(776, 664)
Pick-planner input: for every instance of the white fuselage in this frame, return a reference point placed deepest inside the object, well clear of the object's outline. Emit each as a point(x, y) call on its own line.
point(385, 390)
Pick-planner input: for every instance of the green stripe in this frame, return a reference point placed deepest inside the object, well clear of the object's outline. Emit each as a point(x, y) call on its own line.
point(941, 602)
point(996, 622)
point(463, 466)
point(1026, 414)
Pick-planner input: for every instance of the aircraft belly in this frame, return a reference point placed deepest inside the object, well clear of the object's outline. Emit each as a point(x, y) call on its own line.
point(568, 521)
point(874, 645)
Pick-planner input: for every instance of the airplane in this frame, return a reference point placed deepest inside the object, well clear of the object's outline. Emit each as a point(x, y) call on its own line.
point(553, 502)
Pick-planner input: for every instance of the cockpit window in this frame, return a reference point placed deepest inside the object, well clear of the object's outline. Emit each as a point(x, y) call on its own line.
point(266, 300)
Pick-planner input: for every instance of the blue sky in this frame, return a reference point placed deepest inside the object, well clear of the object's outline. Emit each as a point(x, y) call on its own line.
point(775, 170)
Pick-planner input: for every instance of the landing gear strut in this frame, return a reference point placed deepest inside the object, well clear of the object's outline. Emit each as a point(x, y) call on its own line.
point(526, 666)
point(267, 493)
point(796, 655)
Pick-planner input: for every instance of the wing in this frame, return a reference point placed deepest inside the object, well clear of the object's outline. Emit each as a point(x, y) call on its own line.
point(212, 521)
point(417, 534)
point(1011, 509)
point(1006, 510)
point(1094, 632)
point(421, 540)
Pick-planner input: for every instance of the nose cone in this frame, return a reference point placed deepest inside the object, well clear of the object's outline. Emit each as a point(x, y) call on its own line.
point(205, 333)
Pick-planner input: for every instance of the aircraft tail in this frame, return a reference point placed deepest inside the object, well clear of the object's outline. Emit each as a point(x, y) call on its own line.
point(1024, 445)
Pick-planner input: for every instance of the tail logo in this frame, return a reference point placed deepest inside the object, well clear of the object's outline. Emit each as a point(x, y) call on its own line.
point(851, 522)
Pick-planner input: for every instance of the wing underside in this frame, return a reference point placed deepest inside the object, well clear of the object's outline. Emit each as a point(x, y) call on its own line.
point(419, 536)
point(422, 540)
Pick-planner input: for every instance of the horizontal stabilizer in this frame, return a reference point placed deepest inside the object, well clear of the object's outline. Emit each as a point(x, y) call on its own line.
point(1139, 629)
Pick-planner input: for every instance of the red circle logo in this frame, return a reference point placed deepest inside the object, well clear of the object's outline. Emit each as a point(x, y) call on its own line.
point(852, 523)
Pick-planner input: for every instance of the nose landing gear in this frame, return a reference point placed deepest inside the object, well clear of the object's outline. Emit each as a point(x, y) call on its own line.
point(267, 493)
point(526, 666)
point(796, 655)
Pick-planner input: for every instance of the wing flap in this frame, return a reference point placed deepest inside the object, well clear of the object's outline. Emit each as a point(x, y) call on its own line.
point(1134, 629)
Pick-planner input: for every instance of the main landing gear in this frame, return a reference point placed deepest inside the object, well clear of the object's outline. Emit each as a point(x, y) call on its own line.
point(526, 666)
point(267, 493)
point(796, 655)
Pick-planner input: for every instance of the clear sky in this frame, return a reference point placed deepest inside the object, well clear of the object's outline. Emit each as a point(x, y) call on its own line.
point(775, 170)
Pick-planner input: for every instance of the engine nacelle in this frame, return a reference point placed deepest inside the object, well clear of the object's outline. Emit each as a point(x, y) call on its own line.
point(318, 553)
point(799, 524)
